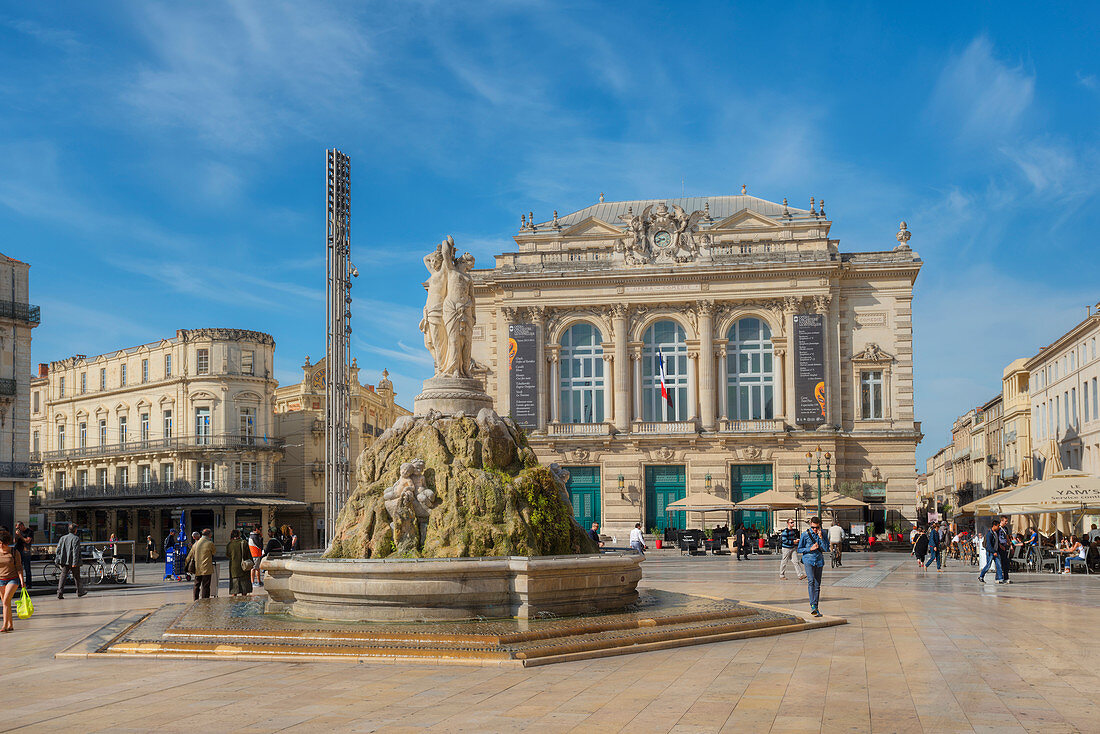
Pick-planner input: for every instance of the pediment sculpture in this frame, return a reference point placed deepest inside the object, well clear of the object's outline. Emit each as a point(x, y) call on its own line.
point(663, 234)
point(873, 353)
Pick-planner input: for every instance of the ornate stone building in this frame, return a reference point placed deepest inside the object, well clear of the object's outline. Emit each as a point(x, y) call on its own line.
point(300, 422)
point(702, 344)
point(17, 318)
point(131, 439)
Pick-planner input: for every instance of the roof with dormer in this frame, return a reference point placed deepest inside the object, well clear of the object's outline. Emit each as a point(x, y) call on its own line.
point(721, 207)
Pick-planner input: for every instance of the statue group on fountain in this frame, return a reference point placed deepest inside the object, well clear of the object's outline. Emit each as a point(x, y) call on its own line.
point(448, 322)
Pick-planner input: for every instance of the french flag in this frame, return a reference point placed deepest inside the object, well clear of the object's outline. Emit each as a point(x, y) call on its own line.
point(664, 388)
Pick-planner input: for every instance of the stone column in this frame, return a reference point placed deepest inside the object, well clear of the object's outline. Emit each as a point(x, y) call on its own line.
point(723, 392)
point(552, 353)
point(636, 356)
point(779, 395)
point(693, 386)
point(791, 305)
point(538, 317)
point(705, 309)
point(610, 387)
point(621, 365)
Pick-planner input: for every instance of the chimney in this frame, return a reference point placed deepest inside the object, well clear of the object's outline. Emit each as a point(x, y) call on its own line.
point(43, 369)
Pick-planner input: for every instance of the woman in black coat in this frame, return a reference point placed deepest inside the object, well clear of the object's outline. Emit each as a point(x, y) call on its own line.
point(920, 546)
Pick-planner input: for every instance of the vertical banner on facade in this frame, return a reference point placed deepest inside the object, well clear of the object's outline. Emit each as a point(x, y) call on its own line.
point(809, 368)
point(523, 375)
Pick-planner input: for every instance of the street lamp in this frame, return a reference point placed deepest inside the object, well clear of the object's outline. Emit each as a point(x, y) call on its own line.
point(706, 483)
point(622, 494)
point(818, 471)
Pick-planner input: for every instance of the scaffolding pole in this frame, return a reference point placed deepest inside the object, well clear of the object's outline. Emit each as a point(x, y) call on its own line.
point(338, 274)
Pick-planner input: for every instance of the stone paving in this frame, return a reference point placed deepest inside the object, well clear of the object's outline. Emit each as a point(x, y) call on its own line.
point(921, 653)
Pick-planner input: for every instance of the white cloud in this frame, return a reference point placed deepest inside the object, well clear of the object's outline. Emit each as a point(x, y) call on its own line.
point(980, 96)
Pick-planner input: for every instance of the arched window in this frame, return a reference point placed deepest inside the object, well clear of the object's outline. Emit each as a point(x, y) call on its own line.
point(582, 381)
point(664, 341)
point(750, 376)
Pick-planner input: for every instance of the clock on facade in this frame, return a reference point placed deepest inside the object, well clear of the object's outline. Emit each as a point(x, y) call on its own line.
point(662, 239)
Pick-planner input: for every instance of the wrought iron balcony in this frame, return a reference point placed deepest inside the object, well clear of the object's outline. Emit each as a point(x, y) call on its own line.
point(221, 442)
point(20, 469)
point(7, 386)
point(21, 312)
point(179, 488)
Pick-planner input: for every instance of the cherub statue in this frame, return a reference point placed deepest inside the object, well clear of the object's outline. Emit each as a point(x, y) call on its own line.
point(409, 503)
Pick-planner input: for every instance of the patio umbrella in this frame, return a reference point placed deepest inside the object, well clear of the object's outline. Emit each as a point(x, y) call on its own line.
point(772, 499)
point(701, 502)
point(835, 501)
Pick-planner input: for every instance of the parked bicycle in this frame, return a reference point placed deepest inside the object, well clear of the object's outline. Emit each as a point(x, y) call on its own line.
point(834, 554)
point(109, 571)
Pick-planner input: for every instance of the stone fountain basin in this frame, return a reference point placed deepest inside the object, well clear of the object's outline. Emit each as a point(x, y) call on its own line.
point(433, 589)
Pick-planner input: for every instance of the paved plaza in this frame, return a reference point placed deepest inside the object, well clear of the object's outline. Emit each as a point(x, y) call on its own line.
point(920, 653)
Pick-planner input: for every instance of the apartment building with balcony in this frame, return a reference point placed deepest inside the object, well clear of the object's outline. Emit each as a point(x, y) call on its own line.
point(132, 440)
point(18, 469)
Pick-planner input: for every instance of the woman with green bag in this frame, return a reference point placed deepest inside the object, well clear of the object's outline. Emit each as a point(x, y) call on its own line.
point(11, 576)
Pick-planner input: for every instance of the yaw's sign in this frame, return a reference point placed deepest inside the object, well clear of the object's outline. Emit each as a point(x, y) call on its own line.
point(523, 375)
point(809, 368)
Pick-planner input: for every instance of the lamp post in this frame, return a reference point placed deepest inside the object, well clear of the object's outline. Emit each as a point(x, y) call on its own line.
point(818, 471)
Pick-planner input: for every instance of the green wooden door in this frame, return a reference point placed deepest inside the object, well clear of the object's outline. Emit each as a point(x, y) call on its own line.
point(584, 493)
point(663, 485)
point(746, 481)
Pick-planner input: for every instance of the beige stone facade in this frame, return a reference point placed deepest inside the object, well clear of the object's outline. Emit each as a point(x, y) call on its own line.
point(300, 422)
point(17, 318)
point(132, 438)
point(713, 288)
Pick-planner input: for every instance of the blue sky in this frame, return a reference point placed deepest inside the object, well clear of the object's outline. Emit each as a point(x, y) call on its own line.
point(161, 165)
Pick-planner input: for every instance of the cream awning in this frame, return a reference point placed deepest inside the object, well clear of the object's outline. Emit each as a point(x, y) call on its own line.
point(981, 506)
point(1065, 491)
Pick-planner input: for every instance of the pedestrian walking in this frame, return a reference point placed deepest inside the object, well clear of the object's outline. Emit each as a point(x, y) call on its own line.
point(811, 545)
point(637, 540)
point(992, 557)
point(788, 539)
point(920, 547)
point(24, 542)
point(236, 550)
point(67, 558)
point(935, 546)
point(11, 575)
point(743, 540)
point(150, 549)
point(836, 540)
point(200, 561)
point(256, 550)
point(1004, 545)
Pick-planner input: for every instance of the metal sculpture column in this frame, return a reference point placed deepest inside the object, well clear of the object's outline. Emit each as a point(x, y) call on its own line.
point(338, 273)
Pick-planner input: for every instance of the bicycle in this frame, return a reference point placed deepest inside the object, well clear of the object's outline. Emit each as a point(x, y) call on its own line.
point(834, 555)
point(51, 572)
point(109, 573)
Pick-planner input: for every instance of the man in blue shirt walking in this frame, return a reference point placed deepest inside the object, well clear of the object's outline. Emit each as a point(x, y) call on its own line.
point(811, 546)
point(788, 539)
